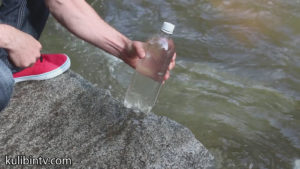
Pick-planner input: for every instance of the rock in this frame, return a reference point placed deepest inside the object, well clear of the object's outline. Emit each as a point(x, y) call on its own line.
point(66, 117)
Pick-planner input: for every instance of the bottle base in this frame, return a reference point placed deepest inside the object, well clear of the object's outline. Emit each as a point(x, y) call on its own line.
point(145, 109)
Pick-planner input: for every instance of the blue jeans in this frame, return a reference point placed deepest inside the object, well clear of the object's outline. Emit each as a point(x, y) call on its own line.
point(6, 85)
point(29, 16)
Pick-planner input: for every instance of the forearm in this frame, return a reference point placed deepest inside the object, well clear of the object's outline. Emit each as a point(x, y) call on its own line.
point(4, 35)
point(81, 19)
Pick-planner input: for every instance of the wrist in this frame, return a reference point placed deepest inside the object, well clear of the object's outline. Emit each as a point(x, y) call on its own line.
point(127, 49)
point(6, 39)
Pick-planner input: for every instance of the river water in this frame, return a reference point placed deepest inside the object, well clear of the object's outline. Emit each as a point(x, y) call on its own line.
point(236, 84)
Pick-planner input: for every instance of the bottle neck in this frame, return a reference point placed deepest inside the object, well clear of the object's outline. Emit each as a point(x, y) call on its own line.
point(164, 34)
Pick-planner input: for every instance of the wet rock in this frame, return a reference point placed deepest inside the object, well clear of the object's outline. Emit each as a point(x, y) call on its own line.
point(67, 117)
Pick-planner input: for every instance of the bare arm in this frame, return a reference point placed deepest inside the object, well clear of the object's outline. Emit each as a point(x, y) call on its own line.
point(4, 40)
point(81, 19)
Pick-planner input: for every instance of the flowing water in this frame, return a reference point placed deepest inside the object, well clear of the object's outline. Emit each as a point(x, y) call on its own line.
point(236, 84)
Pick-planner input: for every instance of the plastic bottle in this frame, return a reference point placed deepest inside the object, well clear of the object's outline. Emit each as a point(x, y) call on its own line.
point(150, 71)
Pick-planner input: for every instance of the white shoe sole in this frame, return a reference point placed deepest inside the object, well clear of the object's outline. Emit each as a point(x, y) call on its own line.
point(49, 75)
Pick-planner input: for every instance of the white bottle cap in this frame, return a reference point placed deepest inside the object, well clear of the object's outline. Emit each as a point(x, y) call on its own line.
point(168, 28)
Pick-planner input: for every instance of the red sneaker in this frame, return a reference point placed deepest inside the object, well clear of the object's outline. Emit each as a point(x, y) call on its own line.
point(49, 66)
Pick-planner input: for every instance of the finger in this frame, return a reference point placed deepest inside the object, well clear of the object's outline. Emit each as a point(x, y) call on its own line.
point(174, 57)
point(167, 75)
point(139, 47)
point(173, 62)
point(171, 65)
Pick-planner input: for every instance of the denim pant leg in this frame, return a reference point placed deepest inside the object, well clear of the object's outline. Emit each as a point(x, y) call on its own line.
point(6, 85)
point(29, 16)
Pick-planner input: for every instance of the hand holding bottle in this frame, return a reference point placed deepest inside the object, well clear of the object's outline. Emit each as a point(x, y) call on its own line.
point(136, 51)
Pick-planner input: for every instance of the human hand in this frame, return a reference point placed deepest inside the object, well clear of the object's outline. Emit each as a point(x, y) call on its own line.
point(23, 50)
point(136, 50)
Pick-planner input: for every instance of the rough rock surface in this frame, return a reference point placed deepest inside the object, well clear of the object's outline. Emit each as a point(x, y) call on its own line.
point(67, 117)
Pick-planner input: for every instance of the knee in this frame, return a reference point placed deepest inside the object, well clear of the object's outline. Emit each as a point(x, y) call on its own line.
point(6, 87)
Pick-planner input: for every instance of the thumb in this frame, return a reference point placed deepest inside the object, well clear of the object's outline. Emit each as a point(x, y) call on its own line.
point(139, 47)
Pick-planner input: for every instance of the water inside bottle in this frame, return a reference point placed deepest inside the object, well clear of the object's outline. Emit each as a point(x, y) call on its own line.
point(142, 93)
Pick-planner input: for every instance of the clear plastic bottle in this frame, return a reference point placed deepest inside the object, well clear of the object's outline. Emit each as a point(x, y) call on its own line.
point(150, 71)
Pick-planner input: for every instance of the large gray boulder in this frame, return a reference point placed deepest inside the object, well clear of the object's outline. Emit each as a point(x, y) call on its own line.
point(67, 117)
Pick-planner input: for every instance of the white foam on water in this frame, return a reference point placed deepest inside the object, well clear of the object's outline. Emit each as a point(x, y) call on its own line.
point(297, 164)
